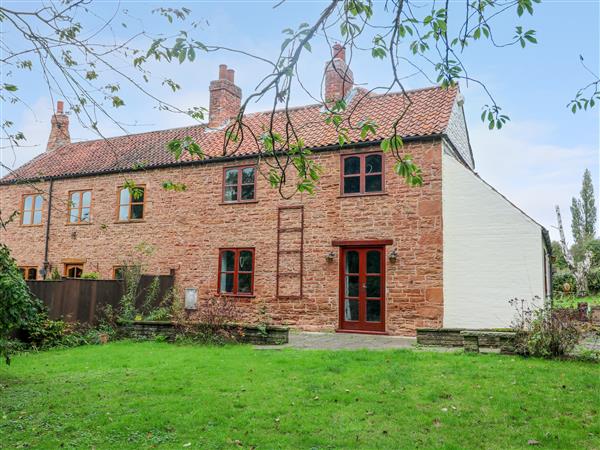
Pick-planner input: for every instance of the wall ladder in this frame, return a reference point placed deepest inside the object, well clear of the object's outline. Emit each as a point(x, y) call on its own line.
point(290, 252)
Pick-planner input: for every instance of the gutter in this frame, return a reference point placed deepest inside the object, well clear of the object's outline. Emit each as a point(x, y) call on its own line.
point(218, 159)
point(47, 237)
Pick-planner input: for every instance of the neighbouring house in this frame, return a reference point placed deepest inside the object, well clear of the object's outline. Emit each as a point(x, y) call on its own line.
point(365, 253)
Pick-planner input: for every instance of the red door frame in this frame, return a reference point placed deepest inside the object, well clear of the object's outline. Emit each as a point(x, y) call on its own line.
point(362, 326)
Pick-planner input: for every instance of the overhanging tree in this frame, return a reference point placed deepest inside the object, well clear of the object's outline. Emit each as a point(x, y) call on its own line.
point(88, 67)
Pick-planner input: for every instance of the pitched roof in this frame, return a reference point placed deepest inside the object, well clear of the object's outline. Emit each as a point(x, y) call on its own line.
point(428, 115)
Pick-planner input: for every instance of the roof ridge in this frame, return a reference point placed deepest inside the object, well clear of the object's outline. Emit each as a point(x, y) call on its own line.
point(256, 113)
point(133, 134)
point(428, 116)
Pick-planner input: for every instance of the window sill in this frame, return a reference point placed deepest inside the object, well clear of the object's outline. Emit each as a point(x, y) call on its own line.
point(32, 226)
point(373, 194)
point(69, 224)
point(237, 296)
point(239, 203)
point(129, 221)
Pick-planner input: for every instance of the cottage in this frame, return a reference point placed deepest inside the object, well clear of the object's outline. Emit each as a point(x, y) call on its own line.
point(366, 253)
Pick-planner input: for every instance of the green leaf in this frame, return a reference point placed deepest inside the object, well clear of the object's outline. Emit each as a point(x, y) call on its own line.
point(177, 187)
point(117, 101)
point(182, 54)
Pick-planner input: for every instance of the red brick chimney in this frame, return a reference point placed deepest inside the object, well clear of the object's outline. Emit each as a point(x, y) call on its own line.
point(59, 132)
point(225, 98)
point(338, 76)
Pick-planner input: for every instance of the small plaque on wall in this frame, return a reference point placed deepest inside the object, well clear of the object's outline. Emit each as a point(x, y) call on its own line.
point(191, 298)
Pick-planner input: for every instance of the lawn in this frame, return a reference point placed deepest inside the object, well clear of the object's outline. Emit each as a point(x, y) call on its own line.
point(571, 301)
point(145, 395)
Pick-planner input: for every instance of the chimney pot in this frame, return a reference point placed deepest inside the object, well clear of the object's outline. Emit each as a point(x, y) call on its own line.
point(339, 52)
point(225, 98)
point(339, 79)
point(230, 74)
point(59, 130)
point(222, 71)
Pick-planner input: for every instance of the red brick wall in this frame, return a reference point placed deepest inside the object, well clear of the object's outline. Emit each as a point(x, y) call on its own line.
point(187, 229)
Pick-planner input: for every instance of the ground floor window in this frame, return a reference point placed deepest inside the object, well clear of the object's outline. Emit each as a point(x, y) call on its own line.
point(118, 272)
point(73, 270)
point(236, 271)
point(29, 272)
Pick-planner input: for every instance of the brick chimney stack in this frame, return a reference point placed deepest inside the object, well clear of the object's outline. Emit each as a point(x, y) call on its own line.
point(338, 76)
point(225, 98)
point(59, 131)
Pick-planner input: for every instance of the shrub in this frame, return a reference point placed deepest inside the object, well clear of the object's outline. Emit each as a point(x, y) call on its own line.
point(170, 307)
point(542, 332)
point(594, 280)
point(212, 323)
point(560, 278)
point(55, 275)
point(90, 275)
point(43, 333)
point(17, 305)
point(151, 297)
point(131, 278)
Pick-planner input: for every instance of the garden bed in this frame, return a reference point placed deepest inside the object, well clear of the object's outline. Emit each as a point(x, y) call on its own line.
point(249, 334)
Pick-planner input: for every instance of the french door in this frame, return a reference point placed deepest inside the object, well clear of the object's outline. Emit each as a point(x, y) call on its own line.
point(362, 289)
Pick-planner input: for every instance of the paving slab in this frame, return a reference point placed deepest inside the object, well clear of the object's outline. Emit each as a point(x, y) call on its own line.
point(342, 341)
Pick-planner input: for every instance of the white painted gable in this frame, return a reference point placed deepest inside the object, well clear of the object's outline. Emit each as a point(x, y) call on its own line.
point(492, 251)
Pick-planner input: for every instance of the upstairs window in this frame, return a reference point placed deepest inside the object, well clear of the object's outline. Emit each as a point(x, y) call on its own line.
point(131, 204)
point(31, 212)
point(239, 184)
point(80, 203)
point(236, 271)
point(73, 270)
point(362, 174)
point(29, 272)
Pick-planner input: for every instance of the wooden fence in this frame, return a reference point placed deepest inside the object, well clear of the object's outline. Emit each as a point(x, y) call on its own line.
point(82, 300)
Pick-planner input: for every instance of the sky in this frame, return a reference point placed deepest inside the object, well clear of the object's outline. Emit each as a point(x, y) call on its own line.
point(537, 160)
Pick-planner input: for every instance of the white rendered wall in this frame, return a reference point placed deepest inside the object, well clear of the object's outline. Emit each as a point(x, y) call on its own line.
point(492, 252)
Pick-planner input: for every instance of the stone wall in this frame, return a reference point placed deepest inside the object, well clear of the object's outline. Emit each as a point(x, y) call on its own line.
point(470, 340)
point(248, 334)
point(440, 337)
point(186, 230)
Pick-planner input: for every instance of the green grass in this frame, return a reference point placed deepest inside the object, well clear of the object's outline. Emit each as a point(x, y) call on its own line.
point(144, 395)
point(571, 301)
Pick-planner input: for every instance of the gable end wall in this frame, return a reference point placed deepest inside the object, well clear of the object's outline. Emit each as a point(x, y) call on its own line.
point(459, 135)
point(492, 252)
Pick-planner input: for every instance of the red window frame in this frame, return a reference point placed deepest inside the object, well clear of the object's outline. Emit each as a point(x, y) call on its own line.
point(236, 272)
point(361, 174)
point(239, 184)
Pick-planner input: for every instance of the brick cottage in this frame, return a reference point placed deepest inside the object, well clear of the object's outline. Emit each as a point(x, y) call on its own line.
point(365, 253)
